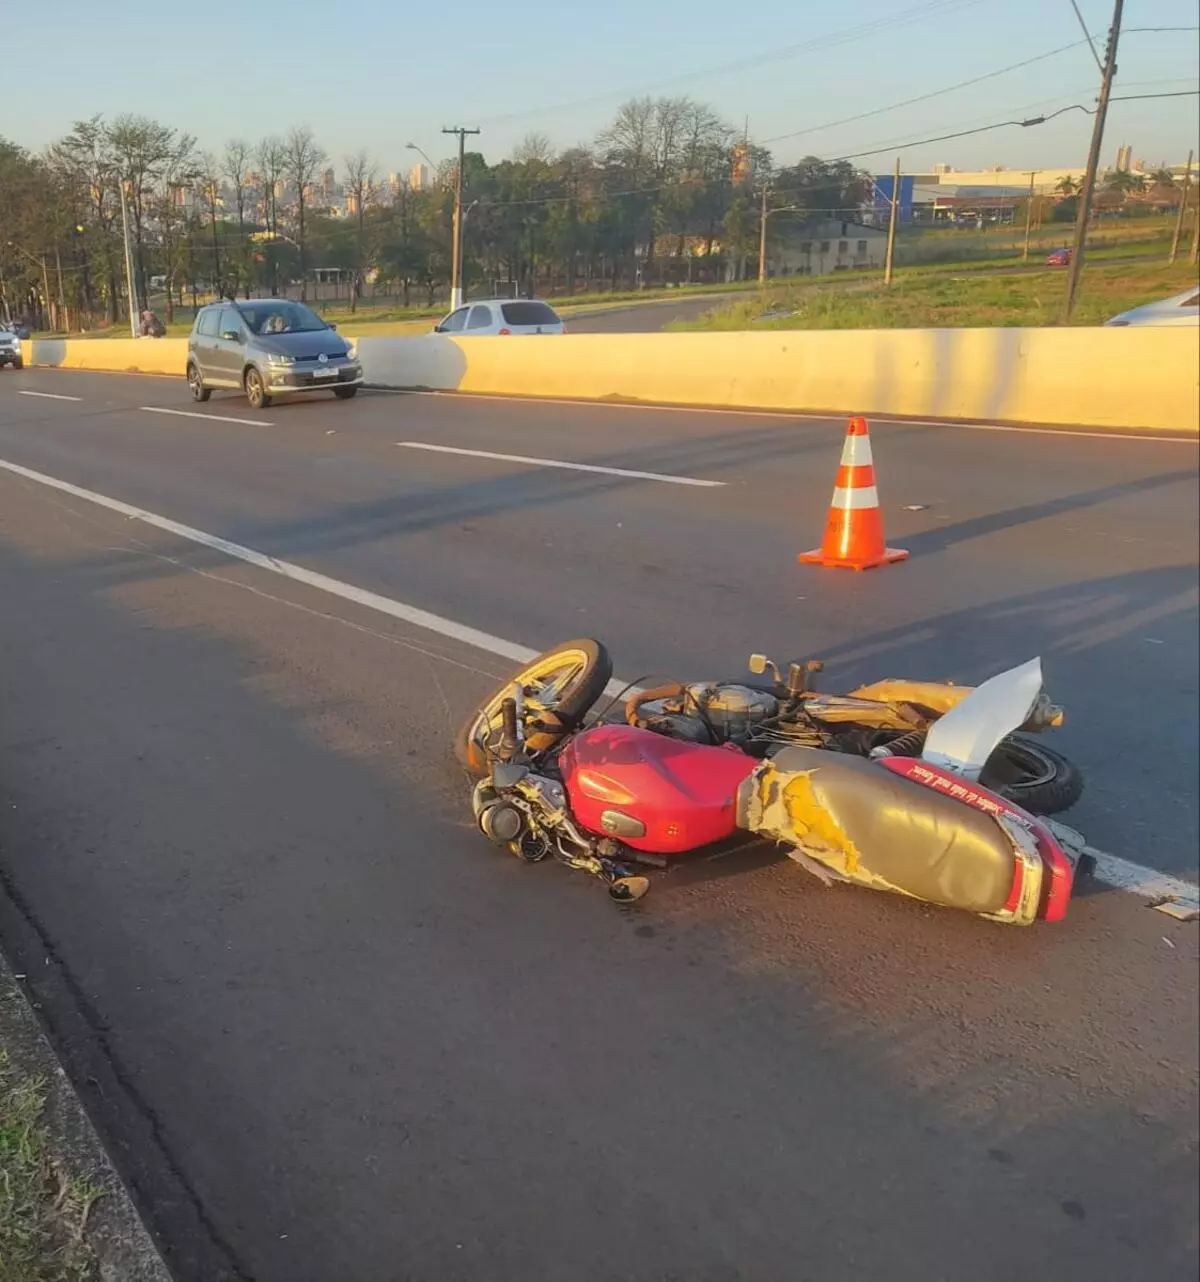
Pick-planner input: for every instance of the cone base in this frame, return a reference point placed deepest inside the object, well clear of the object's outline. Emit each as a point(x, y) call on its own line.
point(886, 557)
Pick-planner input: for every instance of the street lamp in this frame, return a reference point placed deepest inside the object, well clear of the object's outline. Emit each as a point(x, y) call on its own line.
point(412, 146)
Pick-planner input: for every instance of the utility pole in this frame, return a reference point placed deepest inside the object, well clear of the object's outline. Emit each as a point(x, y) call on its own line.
point(133, 308)
point(1028, 218)
point(456, 271)
point(892, 221)
point(762, 238)
point(1194, 256)
point(1183, 200)
point(1075, 266)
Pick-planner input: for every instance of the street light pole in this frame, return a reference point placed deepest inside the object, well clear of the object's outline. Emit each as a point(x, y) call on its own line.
point(892, 221)
point(762, 237)
point(133, 326)
point(1183, 200)
point(1075, 266)
point(456, 272)
point(1028, 218)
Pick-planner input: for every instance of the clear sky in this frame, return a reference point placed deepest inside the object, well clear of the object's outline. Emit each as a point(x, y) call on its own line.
point(379, 73)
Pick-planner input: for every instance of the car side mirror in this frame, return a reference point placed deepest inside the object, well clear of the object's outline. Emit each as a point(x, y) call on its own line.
point(331, 325)
point(231, 335)
point(437, 329)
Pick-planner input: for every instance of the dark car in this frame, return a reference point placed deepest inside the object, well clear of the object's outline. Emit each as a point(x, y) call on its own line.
point(1059, 258)
point(268, 347)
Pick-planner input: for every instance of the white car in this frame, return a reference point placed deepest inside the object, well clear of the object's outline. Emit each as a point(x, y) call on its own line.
point(502, 316)
point(1181, 309)
point(11, 352)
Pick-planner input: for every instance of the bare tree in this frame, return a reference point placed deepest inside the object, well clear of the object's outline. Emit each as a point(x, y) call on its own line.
point(271, 160)
point(208, 187)
point(144, 151)
point(302, 157)
point(361, 172)
point(235, 165)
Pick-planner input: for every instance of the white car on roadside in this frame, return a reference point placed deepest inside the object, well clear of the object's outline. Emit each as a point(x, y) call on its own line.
point(1180, 309)
point(502, 316)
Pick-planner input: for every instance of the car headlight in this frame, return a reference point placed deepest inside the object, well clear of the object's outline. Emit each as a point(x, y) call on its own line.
point(274, 358)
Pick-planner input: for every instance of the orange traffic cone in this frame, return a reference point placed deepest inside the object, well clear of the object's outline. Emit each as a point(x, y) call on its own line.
point(854, 532)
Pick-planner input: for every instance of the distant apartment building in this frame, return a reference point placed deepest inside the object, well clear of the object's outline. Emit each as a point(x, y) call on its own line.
point(420, 178)
point(327, 188)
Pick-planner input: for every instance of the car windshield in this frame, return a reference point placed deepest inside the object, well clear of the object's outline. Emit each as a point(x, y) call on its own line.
point(274, 316)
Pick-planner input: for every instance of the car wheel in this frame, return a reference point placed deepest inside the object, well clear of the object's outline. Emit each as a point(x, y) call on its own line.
point(345, 393)
point(19, 363)
point(256, 392)
point(196, 383)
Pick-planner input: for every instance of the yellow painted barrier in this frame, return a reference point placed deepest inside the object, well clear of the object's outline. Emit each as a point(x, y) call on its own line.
point(1127, 379)
point(1119, 378)
point(123, 355)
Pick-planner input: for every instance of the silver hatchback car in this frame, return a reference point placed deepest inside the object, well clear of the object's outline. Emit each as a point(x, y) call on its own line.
point(268, 347)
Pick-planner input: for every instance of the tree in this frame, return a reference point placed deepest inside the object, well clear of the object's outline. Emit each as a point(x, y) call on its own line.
point(1125, 182)
point(271, 158)
point(1066, 186)
point(235, 165)
point(361, 172)
point(144, 150)
point(302, 157)
point(209, 191)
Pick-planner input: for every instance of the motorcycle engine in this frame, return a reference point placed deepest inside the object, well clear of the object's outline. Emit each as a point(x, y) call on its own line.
point(708, 713)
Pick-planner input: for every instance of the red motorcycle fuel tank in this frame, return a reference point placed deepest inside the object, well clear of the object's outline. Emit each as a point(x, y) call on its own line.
point(660, 795)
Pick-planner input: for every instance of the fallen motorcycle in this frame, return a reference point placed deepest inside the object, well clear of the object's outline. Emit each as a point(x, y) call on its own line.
point(919, 788)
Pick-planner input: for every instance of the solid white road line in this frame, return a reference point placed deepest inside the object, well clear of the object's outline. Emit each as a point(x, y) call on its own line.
point(212, 418)
point(831, 418)
point(49, 396)
point(570, 467)
point(1122, 873)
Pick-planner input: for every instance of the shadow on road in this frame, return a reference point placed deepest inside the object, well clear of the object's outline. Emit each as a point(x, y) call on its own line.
point(323, 1006)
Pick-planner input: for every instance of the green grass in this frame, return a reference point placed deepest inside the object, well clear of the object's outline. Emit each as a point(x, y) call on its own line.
point(44, 1209)
point(949, 298)
point(384, 321)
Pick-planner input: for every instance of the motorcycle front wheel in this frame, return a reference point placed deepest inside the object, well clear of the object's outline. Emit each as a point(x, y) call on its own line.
point(560, 687)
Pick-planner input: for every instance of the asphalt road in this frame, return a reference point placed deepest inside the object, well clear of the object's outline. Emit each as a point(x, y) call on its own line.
point(642, 318)
point(329, 1034)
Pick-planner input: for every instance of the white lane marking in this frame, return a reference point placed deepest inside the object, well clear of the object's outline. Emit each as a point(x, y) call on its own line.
point(1122, 873)
point(212, 418)
point(570, 467)
point(347, 591)
point(833, 418)
point(1149, 883)
point(49, 396)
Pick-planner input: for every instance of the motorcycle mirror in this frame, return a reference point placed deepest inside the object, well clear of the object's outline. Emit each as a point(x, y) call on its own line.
point(758, 664)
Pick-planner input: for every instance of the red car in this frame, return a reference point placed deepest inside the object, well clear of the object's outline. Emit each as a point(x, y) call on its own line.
point(1059, 258)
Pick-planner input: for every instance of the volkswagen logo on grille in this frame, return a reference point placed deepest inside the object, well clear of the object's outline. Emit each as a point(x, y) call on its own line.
point(323, 359)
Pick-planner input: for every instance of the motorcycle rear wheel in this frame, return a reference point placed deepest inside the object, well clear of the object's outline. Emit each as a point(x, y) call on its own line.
point(1037, 778)
point(561, 686)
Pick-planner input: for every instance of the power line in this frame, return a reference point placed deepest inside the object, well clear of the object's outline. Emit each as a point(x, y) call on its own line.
point(908, 17)
point(1088, 34)
point(925, 97)
point(962, 84)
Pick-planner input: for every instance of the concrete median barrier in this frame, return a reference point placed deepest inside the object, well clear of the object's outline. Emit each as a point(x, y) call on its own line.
point(119, 355)
point(1130, 379)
